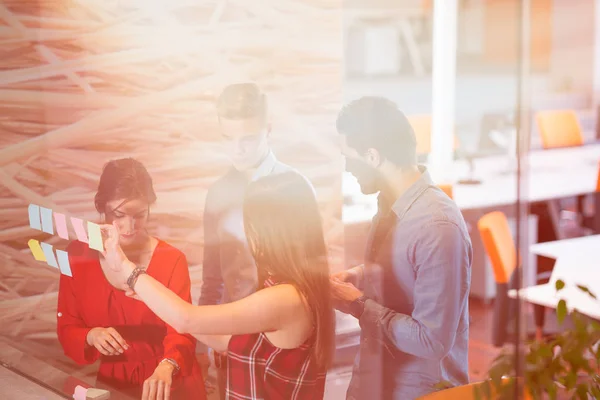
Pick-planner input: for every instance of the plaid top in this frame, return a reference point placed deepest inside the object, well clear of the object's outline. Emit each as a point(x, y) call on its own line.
point(259, 370)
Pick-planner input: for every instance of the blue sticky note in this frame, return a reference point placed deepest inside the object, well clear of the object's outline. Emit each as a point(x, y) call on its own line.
point(34, 217)
point(63, 262)
point(49, 254)
point(47, 220)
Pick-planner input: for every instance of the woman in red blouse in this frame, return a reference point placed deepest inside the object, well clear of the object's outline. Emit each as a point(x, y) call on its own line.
point(138, 352)
point(283, 335)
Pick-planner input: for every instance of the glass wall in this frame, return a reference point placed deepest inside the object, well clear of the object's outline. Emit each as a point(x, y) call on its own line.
point(466, 272)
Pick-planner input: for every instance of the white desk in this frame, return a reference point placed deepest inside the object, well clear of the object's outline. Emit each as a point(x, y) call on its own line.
point(588, 245)
point(547, 296)
point(551, 174)
point(576, 264)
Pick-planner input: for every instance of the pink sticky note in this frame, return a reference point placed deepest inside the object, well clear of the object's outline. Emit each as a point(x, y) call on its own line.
point(79, 228)
point(80, 393)
point(61, 225)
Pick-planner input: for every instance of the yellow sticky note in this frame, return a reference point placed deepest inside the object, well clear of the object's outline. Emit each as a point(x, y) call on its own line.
point(95, 237)
point(36, 250)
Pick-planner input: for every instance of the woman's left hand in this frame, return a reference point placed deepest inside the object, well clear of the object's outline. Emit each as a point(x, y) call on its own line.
point(158, 386)
point(115, 259)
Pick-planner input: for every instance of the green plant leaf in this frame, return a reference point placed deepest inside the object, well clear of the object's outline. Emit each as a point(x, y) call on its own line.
point(595, 389)
point(561, 311)
point(487, 389)
point(560, 285)
point(585, 289)
point(570, 380)
point(477, 392)
point(443, 385)
point(582, 391)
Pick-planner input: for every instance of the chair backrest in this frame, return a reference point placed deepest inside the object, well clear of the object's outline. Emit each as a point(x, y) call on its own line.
point(421, 124)
point(559, 128)
point(447, 188)
point(467, 392)
point(499, 245)
point(598, 183)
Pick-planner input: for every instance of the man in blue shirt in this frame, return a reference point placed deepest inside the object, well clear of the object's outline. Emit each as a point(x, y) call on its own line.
point(411, 294)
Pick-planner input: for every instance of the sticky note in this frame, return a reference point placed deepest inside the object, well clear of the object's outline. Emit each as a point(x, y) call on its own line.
point(34, 217)
point(49, 254)
point(61, 225)
point(79, 229)
point(95, 236)
point(47, 220)
point(80, 393)
point(36, 250)
point(63, 262)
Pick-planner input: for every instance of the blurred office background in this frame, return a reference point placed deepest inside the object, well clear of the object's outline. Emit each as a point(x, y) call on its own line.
point(82, 82)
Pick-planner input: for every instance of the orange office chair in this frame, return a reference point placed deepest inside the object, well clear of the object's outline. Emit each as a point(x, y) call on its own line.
point(447, 188)
point(592, 222)
point(466, 392)
point(598, 181)
point(421, 125)
point(500, 248)
point(559, 128)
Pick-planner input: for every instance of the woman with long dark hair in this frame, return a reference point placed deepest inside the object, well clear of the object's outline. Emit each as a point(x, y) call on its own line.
point(139, 354)
point(279, 340)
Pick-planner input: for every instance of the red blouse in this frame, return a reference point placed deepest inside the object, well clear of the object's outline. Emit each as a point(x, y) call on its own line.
point(259, 370)
point(87, 300)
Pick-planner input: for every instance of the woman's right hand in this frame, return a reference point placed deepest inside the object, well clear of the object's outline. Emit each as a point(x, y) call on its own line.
point(107, 341)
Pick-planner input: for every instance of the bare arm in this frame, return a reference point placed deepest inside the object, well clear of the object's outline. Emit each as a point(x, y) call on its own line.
point(219, 343)
point(267, 310)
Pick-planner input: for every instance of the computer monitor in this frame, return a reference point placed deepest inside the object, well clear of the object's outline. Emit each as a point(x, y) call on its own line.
point(496, 136)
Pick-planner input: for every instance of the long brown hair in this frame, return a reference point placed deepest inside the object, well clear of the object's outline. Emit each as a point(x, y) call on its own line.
point(285, 233)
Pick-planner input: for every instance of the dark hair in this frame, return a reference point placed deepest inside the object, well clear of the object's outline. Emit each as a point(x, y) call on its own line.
point(285, 233)
point(125, 178)
point(242, 101)
point(376, 122)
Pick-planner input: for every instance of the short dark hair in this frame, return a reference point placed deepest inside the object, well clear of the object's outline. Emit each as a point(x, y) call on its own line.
point(242, 101)
point(376, 122)
point(126, 178)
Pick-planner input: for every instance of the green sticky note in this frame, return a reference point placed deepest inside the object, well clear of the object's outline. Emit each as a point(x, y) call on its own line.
point(95, 237)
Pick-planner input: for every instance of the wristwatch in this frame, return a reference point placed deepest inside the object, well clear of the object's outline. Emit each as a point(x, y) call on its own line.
point(134, 276)
point(357, 307)
point(173, 363)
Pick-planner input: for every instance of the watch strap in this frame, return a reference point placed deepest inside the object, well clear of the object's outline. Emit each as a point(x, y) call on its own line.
point(357, 307)
point(134, 276)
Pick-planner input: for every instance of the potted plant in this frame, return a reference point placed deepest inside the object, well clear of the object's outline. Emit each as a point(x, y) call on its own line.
point(564, 367)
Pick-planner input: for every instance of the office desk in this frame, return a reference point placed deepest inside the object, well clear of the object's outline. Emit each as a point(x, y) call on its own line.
point(586, 245)
point(550, 175)
point(547, 296)
point(576, 264)
point(15, 386)
point(38, 379)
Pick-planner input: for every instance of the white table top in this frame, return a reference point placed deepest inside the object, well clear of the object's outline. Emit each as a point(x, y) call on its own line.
point(546, 295)
point(550, 174)
point(589, 245)
point(576, 264)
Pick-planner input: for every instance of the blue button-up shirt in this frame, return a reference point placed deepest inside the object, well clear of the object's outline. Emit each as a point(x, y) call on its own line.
point(415, 326)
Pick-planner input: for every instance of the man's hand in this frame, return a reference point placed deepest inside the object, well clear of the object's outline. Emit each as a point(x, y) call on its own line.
point(158, 386)
point(344, 292)
point(352, 275)
point(107, 341)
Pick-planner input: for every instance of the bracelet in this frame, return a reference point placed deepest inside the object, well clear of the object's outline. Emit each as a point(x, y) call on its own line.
point(172, 362)
point(134, 276)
